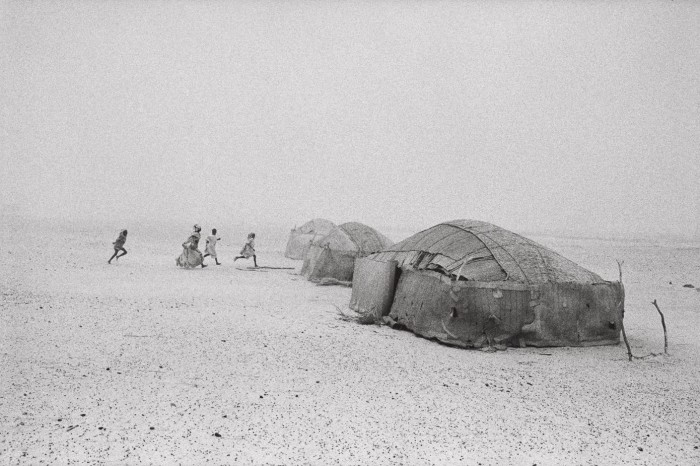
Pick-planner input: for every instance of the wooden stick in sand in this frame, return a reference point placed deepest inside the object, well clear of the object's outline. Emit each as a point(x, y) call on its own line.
point(622, 310)
point(663, 324)
point(624, 334)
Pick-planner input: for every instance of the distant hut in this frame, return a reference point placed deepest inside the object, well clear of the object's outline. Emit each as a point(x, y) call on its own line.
point(301, 238)
point(472, 284)
point(334, 255)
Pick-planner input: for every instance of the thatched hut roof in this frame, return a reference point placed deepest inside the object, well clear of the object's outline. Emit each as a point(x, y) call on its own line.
point(301, 238)
point(316, 226)
point(480, 251)
point(356, 238)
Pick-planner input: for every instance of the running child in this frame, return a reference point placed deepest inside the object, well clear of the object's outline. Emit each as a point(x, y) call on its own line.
point(210, 249)
point(248, 250)
point(119, 246)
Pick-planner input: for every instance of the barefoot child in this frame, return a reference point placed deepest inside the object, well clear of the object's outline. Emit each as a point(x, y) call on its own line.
point(248, 250)
point(210, 250)
point(119, 246)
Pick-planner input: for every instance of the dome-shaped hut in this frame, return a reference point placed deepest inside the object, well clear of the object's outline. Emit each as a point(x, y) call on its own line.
point(301, 238)
point(334, 255)
point(472, 284)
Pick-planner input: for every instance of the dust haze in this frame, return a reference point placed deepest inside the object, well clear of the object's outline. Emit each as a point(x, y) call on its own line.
point(573, 117)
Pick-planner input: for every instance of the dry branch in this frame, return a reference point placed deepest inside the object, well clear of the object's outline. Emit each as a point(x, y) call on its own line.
point(621, 306)
point(663, 324)
point(622, 321)
point(360, 318)
point(627, 343)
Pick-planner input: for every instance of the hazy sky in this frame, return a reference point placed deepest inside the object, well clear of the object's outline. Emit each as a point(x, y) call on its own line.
point(579, 117)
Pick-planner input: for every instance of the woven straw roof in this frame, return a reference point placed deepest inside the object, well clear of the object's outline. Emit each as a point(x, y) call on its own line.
point(481, 251)
point(355, 237)
point(317, 225)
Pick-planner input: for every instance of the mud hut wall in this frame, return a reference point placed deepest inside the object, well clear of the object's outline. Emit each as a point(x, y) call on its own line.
point(311, 259)
point(327, 263)
point(335, 264)
point(291, 250)
point(459, 314)
point(373, 285)
point(575, 314)
point(601, 319)
point(298, 245)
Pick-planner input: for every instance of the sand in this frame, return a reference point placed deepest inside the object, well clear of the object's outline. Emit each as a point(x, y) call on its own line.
point(143, 362)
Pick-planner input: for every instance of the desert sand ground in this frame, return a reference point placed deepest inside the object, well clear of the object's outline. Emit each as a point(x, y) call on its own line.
point(143, 362)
